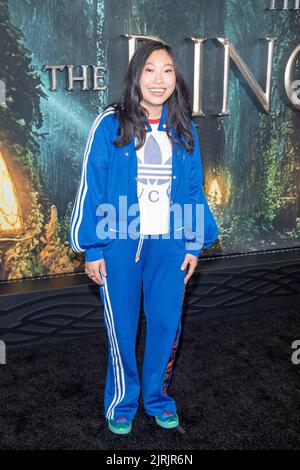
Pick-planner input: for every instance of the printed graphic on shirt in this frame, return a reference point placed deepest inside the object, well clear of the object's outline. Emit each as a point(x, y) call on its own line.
point(154, 182)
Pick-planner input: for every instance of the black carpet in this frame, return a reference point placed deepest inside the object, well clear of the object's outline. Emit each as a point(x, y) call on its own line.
point(234, 383)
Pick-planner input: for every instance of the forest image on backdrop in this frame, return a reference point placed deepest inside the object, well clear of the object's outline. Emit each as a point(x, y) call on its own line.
point(250, 157)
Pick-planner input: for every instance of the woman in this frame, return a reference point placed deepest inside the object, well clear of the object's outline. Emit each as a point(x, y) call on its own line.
point(142, 156)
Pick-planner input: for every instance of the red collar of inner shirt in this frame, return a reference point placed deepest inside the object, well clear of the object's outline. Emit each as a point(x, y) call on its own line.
point(154, 121)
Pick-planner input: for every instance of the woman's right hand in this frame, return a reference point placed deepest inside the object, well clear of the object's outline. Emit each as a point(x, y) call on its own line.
point(92, 269)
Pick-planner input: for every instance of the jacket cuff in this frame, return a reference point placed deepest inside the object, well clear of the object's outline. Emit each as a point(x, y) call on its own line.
point(193, 248)
point(93, 254)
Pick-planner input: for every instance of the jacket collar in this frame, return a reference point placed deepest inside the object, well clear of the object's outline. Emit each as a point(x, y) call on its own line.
point(163, 119)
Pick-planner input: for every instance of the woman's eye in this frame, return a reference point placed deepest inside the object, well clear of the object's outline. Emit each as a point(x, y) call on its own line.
point(151, 70)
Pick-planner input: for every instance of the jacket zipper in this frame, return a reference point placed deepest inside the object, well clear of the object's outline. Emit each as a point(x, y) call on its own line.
point(139, 248)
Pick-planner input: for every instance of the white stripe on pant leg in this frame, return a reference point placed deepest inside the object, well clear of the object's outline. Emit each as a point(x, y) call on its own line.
point(113, 348)
point(115, 401)
point(114, 354)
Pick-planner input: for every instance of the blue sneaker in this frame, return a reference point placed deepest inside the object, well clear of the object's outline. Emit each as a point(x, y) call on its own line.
point(168, 420)
point(120, 425)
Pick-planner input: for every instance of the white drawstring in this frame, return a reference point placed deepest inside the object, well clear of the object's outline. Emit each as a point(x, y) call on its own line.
point(138, 251)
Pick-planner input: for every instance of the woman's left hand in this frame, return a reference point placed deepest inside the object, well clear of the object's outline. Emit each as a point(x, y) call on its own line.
point(192, 261)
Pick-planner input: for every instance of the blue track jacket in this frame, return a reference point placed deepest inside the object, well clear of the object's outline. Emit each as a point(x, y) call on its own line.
point(109, 172)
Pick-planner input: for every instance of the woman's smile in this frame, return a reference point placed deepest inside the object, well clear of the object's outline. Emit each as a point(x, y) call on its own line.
point(157, 91)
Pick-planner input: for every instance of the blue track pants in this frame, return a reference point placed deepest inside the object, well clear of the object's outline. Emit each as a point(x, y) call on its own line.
point(154, 265)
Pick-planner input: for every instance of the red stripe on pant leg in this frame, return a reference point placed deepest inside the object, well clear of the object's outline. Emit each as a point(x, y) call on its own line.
point(170, 365)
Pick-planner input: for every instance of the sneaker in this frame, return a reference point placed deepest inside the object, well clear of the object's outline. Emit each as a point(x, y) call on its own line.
point(120, 425)
point(168, 420)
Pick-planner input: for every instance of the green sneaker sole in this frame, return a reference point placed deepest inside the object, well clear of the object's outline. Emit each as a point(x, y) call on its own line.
point(120, 429)
point(168, 423)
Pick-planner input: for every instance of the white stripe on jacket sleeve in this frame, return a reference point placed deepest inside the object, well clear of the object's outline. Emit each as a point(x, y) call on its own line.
point(77, 216)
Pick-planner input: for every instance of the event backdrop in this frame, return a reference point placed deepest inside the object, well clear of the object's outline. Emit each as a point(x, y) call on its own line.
point(250, 156)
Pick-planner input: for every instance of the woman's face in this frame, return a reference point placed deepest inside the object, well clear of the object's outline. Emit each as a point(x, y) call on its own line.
point(157, 81)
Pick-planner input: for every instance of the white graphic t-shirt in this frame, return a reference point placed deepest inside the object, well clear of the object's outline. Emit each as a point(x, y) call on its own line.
point(154, 181)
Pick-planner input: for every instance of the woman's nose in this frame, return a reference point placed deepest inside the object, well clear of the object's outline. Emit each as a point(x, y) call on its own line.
point(158, 78)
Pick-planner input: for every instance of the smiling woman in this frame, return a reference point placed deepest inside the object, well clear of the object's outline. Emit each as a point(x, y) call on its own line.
point(158, 80)
point(160, 164)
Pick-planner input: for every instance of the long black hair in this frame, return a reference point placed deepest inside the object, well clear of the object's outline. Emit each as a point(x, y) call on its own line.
point(131, 113)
